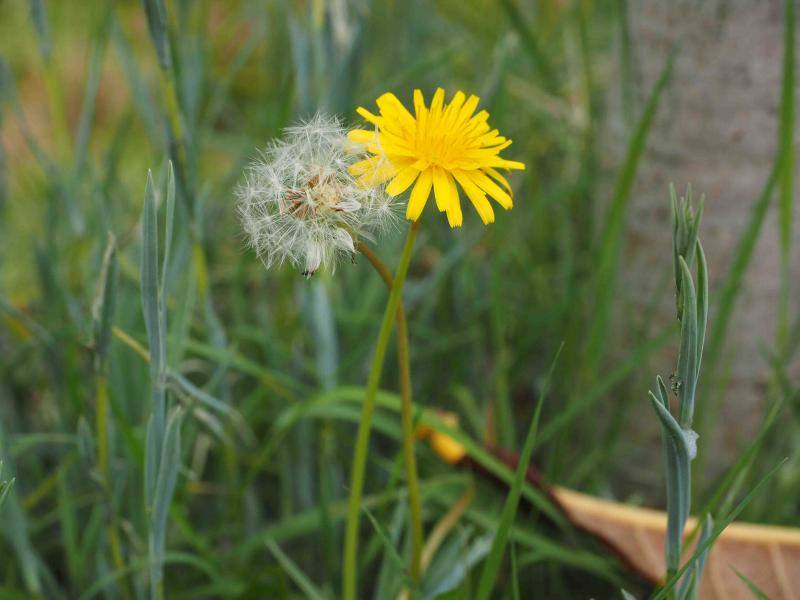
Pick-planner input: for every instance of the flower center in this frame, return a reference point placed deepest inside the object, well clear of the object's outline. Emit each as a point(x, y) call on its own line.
point(322, 193)
point(439, 146)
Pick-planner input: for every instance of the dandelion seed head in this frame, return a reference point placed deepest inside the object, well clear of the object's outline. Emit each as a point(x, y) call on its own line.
point(300, 204)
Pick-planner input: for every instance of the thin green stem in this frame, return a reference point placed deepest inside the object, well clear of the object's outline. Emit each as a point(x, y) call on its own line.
point(101, 387)
point(101, 384)
point(407, 418)
point(786, 177)
point(350, 574)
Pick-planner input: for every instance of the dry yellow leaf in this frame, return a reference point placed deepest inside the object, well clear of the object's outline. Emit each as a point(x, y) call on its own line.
point(769, 556)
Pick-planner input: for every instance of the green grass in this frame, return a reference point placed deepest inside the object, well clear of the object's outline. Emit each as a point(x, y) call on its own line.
point(162, 395)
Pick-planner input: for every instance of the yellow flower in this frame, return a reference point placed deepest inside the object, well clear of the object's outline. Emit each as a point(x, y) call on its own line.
point(448, 449)
point(437, 148)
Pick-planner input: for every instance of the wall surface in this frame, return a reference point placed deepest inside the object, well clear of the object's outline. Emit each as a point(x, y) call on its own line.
point(717, 128)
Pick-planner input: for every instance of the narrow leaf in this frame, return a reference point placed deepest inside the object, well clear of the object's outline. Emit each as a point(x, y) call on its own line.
point(39, 17)
point(168, 229)
point(151, 304)
point(157, 23)
point(757, 593)
point(152, 454)
point(702, 303)
point(301, 579)
point(687, 355)
point(103, 306)
point(724, 522)
point(492, 565)
point(604, 282)
point(167, 471)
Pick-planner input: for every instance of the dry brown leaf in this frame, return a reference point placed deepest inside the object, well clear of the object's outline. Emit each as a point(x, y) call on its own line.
point(769, 556)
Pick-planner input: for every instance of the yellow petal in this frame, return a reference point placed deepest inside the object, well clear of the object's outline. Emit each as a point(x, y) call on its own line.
point(364, 166)
point(368, 116)
point(421, 164)
point(506, 164)
point(436, 103)
point(502, 146)
point(419, 103)
point(452, 110)
point(361, 136)
point(480, 118)
point(454, 215)
point(440, 189)
point(420, 110)
point(446, 192)
point(492, 136)
point(499, 178)
point(466, 111)
point(419, 195)
point(404, 178)
point(390, 149)
point(476, 196)
point(391, 105)
point(491, 188)
point(380, 173)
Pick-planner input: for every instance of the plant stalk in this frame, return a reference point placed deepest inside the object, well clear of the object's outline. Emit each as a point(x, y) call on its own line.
point(350, 574)
point(101, 390)
point(407, 418)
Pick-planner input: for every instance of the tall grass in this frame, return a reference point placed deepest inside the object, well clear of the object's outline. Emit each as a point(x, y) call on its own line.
point(177, 421)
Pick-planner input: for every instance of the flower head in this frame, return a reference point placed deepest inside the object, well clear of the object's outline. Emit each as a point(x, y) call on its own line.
point(441, 147)
point(299, 203)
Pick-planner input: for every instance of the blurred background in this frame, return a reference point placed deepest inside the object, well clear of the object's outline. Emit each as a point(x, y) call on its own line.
point(607, 101)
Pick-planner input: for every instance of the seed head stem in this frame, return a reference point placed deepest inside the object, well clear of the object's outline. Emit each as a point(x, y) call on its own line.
point(350, 567)
point(407, 417)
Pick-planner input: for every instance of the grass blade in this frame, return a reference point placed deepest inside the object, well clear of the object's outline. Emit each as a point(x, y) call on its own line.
point(390, 552)
point(492, 565)
point(105, 299)
point(541, 62)
point(40, 23)
point(303, 582)
point(170, 217)
point(604, 283)
point(729, 293)
point(786, 178)
point(157, 23)
point(14, 527)
point(5, 486)
point(162, 498)
point(724, 522)
point(687, 354)
point(756, 591)
point(89, 104)
point(151, 303)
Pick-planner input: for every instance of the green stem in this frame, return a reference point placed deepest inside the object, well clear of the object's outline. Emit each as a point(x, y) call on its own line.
point(350, 574)
point(407, 418)
point(101, 386)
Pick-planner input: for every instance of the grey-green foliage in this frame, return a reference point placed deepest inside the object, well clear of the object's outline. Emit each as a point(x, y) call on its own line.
point(104, 301)
point(157, 23)
point(5, 486)
point(492, 565)
point(162, 447)
point(679, 439)
point(208, 84)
